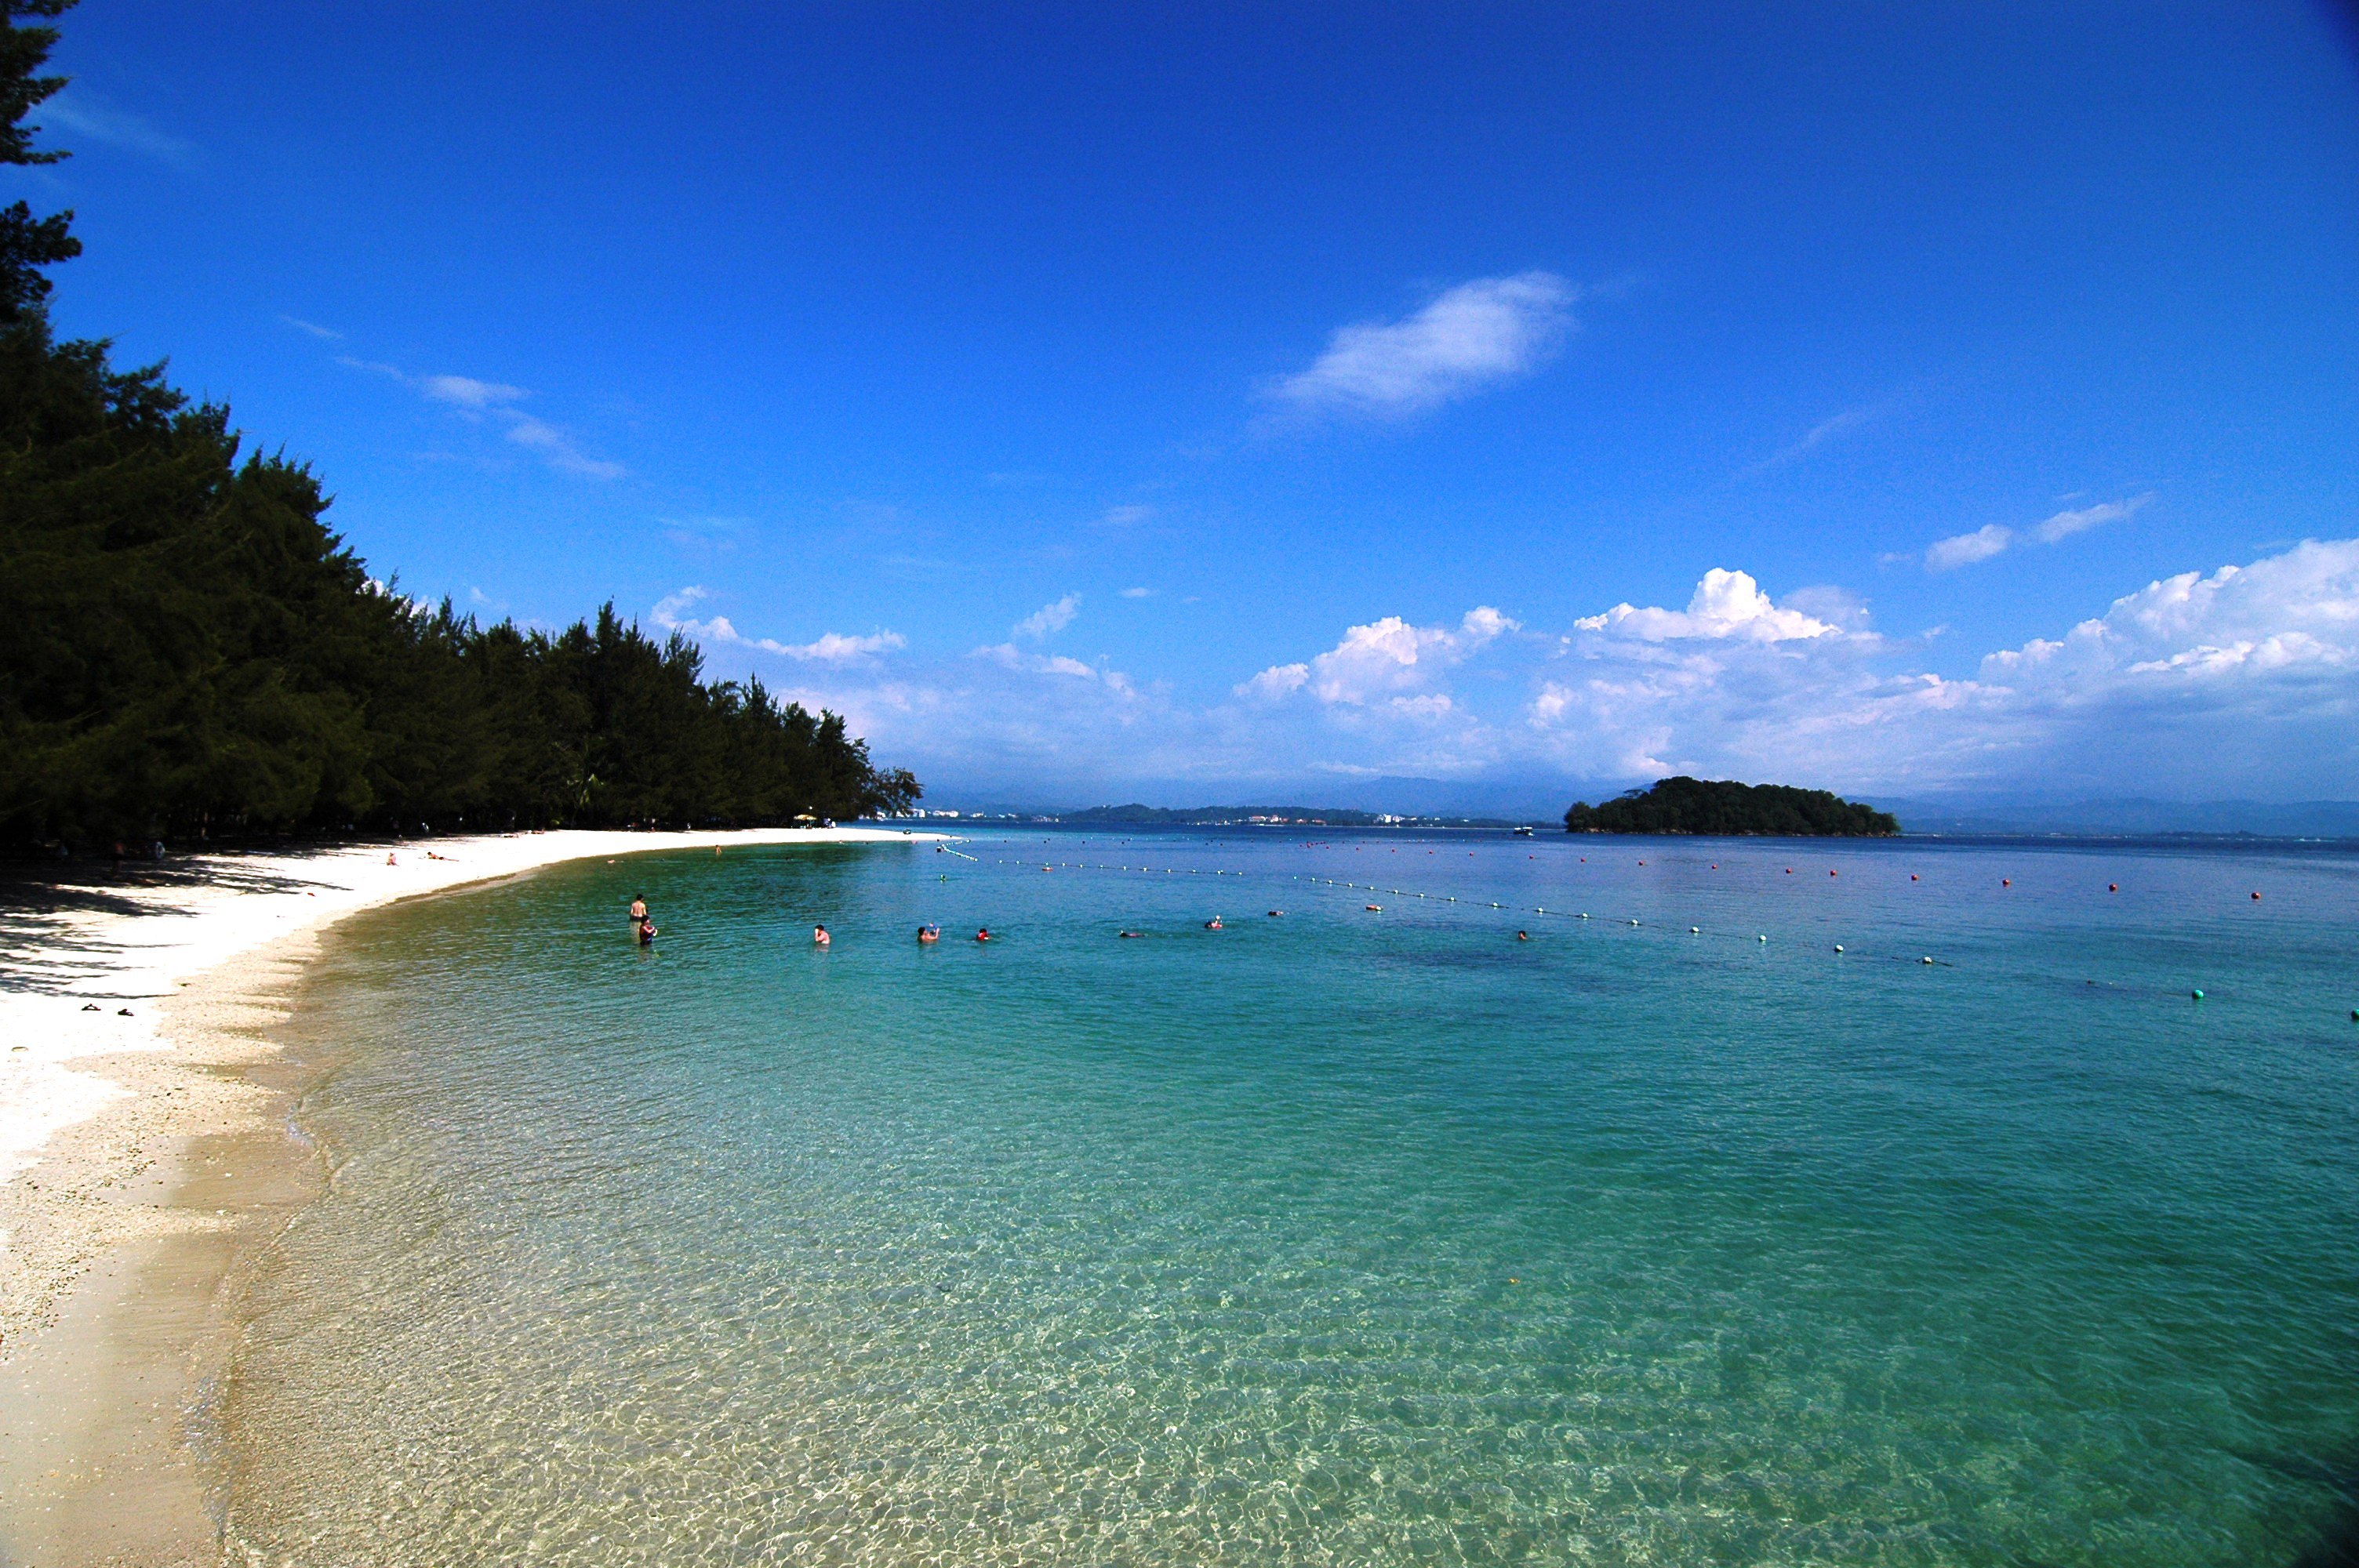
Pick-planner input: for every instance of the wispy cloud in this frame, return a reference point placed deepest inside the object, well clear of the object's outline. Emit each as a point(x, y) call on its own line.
point(1817, 435)
point(1125, 516)
point(1050, 618)
point(1964, 549)
point(1996, 538)
point(671, 614)
point(313, 328)
point(1472, 336)
point(84, 112)
point(1138, 593)
point(478, 399)
point(556, 450)
point(2064, 524)
point(466, 392)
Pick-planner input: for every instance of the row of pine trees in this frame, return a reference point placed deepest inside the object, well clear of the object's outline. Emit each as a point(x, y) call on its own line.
point(187, 649)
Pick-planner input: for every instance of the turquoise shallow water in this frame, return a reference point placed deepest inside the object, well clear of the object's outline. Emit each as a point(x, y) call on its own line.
point(1338, 1237)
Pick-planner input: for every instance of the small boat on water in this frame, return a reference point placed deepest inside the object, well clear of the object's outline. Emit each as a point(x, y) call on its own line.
point(1524, 832)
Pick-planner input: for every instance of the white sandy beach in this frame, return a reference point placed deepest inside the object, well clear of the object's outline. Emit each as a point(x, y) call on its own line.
point(85, 979)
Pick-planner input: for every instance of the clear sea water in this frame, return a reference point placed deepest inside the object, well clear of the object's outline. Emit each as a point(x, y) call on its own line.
point(1340, 1236)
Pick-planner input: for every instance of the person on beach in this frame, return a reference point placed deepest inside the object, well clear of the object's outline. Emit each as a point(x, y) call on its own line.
point(930, 932)
point(819, 938)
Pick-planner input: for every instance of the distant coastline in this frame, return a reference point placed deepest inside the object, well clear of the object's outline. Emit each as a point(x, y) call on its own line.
point(1428, 805)
point(1135, 814)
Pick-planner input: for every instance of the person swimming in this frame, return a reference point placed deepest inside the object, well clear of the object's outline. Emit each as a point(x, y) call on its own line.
point(930, 932)
point(1213, 923)
point(1130, 933)
point(983, 934)
point(1523, 936)
point(819, 938)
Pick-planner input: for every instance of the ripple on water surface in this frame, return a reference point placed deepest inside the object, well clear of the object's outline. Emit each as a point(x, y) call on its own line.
point(1342, 1238)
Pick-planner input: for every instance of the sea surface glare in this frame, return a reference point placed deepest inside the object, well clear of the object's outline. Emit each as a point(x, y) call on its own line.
point(1338, 1238)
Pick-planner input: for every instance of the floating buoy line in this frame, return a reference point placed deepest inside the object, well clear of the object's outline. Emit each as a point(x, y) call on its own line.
point(1759, 939)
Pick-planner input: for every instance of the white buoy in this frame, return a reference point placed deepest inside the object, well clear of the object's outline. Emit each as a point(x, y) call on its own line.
point(1838, 946)
point(1924, 960)
point(1763, 938)
point(1695, 930)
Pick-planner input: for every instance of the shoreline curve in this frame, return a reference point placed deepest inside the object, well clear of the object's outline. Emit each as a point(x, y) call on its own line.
point(141, 1154)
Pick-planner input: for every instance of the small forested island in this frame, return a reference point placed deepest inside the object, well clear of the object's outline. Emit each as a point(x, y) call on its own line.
point(1727, 808)
point(187, 649)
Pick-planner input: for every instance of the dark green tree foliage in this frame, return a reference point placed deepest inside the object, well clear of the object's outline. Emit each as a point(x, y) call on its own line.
point(1723, 807)
point(185, 646)
point(185, 643)
point(27, 244)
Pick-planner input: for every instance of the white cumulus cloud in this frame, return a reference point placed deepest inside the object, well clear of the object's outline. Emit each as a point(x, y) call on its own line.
point(1472, 336)
point(1382, 658)
point(1725, 604)
point(2238, 680)
point(2291, 615)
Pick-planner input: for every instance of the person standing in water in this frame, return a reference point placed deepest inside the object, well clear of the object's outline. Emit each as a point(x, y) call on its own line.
point(647, 932)
point(930, 932)
point(639, 909)
point(820, 938)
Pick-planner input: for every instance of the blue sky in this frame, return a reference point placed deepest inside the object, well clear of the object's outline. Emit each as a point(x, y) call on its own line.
point(1200, 402)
